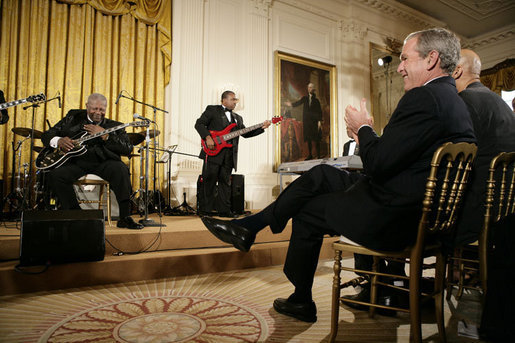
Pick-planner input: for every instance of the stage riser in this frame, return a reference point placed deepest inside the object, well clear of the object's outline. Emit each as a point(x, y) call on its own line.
point(146, 266)
point(133, 241)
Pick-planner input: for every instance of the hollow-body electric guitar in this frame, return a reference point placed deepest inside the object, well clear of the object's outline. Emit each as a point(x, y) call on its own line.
point(50, 158)
point(221, 137)
point(32, 98)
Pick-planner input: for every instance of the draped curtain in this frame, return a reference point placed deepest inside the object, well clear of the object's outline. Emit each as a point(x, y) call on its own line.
point(75, 48)
point(501, 77)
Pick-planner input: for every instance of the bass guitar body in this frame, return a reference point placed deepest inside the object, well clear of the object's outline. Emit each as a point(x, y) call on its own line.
point(220, 143)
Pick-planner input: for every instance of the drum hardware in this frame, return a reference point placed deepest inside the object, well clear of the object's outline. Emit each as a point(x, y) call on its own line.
point(136, 137)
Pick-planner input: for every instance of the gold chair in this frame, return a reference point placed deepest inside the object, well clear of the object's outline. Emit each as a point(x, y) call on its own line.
point(501, 178)
point(94, 180)
point(450, 167)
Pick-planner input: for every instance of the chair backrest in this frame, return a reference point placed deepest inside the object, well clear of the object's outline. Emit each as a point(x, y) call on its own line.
point(501, 177)
point(445, 187)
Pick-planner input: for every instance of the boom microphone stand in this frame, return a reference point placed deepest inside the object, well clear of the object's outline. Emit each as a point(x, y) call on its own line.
point(28, 187)
point(156, 142)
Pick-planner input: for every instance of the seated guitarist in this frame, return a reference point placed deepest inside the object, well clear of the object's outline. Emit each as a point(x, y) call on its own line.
point(102, 157)
point(218, 168)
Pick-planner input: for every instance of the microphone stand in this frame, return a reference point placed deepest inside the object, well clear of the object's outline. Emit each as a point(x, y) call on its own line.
point(156, 141)
point(26, 192)
point(146, 221)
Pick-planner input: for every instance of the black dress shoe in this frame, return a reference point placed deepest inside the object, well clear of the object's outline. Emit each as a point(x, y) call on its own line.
point(229, 232)
point(129, 223)
point(307, 312)
point(364, 296)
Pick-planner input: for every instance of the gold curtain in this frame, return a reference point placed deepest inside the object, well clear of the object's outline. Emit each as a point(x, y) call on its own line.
point(500, 77)
point(77, 47)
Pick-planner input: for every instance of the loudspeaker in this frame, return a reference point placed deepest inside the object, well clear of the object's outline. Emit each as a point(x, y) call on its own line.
point(61, 236)
point(238, 193)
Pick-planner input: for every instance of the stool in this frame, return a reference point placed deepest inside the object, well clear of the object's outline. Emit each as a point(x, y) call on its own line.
point(95, 180)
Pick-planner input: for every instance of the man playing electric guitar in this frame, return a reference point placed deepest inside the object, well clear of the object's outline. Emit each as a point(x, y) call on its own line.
point(218, 168)
point(102, 157)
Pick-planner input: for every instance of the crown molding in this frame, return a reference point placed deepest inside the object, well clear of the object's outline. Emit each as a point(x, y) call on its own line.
point(261, 7)
point(402, 12)
point(490, 38)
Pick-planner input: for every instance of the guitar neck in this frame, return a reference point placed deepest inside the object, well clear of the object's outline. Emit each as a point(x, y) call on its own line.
point(240, 132)
point(105, 132)
point(12, 103)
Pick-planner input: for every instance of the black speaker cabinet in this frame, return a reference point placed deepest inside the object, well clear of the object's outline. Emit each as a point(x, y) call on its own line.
point(238, 193)
point(61, 236)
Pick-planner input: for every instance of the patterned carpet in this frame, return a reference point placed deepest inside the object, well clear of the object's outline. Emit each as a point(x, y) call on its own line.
point(219, 308)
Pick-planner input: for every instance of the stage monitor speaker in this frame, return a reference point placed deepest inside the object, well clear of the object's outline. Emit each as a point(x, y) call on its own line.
point(61, 237)
point(238, 193)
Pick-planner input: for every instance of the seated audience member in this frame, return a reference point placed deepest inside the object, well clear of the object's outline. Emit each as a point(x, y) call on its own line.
point(494, 125)
point(381, 208)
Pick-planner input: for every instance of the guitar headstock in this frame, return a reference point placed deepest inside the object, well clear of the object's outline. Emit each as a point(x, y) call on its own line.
point(277, 119)
point(140, 123)
point(36, 98)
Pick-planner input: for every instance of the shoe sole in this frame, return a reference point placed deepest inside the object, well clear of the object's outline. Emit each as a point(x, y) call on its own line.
point(233, 241)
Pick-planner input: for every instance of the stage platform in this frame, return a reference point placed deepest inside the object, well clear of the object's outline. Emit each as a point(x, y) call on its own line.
point(182, 247)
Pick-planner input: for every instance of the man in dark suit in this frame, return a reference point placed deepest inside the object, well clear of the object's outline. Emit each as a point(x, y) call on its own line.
point(101, 158)
point(494, 125)
point(381, 208)
point(218, 168)
point(350, 147)
point(311, 119)
point(4, 117)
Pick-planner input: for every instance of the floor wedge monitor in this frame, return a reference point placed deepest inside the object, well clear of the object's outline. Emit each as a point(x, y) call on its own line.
point(52, 237)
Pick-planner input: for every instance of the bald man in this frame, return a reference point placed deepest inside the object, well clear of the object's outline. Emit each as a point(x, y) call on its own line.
point(494, 125)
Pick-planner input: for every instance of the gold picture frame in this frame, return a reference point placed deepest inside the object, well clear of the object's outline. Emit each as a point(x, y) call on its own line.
point(299, 129)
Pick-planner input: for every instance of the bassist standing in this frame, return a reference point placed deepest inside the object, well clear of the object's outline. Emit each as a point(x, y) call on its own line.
point(217, 168)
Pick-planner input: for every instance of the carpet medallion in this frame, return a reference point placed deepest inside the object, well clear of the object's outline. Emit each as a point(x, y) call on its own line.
point(162, 319)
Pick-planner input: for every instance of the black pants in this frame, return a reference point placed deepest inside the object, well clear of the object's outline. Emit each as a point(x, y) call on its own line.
point(116, 173)
point(305, 201)
point(213, 173)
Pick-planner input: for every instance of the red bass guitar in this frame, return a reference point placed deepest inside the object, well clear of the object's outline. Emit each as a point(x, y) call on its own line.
point(221, 137)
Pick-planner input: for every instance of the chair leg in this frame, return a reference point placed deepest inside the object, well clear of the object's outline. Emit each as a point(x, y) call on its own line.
point(450, 278)
point(461, 278)
point(335, 305)
point(439, 286)
point(415, 274)
point(483, 262)
point(373, 287)
point(108, 198)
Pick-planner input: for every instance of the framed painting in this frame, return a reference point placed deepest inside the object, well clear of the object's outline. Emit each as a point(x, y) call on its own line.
point(305, 95)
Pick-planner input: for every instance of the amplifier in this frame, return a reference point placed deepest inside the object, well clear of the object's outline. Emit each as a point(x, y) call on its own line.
point(61, 236)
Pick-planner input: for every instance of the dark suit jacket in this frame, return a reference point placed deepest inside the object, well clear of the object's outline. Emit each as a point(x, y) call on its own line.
point(311, 115)
point(382, 210)
point(346, 148)
point(214, 119)
point(494, 125)
point(117, 144)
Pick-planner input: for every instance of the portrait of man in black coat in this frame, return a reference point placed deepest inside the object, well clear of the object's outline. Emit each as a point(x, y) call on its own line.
point(311, 119)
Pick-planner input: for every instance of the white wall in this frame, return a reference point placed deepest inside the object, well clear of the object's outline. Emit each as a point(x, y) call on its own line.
point(230, 44)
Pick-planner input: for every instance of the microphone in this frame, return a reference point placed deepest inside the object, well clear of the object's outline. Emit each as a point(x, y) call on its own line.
point(59, 100)
point(137, 116)
point(118, 98)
